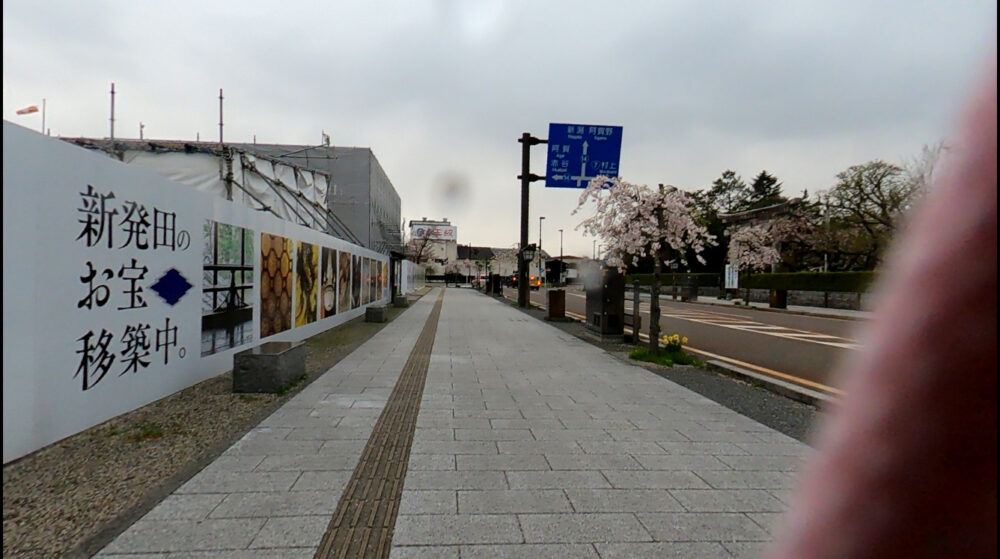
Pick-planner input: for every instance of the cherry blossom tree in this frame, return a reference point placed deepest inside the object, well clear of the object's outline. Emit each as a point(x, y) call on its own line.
point(417, 250)
point(635, 221)
point(751, 247)
point(503, 260)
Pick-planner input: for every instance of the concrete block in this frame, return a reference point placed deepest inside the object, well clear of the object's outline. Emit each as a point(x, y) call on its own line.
point(377, 314)
point(401, 301)
point(269, 367)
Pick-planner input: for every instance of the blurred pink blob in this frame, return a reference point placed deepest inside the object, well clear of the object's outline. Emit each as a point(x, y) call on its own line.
point(907, 465)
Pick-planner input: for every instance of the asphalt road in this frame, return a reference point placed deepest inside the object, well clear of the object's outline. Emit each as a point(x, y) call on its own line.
point(799, 348)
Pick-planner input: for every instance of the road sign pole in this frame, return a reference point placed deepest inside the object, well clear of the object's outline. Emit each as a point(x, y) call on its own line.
point(522, 266)
point(526, 141)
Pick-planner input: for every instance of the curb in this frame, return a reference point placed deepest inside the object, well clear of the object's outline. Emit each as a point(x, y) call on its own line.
point(786, 389)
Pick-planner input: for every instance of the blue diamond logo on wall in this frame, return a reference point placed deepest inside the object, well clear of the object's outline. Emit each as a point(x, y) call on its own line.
point(171, 286)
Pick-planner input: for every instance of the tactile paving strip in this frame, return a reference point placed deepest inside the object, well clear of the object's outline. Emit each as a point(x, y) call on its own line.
point(363, 523)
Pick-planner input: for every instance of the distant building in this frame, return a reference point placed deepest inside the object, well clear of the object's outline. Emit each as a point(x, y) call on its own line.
point(433, 243)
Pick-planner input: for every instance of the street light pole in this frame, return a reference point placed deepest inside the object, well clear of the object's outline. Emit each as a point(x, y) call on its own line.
point(560, 257)
point(541, 266)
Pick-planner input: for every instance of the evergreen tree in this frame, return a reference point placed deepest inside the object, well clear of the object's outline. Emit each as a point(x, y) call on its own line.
point(765, 190)
point(729, 193)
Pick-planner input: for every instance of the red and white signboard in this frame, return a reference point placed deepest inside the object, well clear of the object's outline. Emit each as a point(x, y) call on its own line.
point(434, 232)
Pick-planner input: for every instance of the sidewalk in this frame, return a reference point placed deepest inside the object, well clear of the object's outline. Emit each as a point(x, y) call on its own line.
point(528, 443)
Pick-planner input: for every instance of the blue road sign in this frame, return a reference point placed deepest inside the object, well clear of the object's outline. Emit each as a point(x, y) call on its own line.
point(580, 152)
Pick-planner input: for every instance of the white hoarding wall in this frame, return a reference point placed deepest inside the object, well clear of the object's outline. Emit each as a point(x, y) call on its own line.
point(411, 276)
point(122, 287)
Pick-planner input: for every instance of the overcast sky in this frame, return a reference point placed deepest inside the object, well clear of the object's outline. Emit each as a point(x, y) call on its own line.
point(442, 90)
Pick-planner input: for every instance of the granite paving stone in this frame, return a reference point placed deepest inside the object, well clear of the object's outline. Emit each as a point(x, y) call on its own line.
point(748, 479)
point(148, 536)
point(502, 462)
point(521, 551)
point(528, 443)
point(280, 533)
point(582, 527)
point(275, 504)
point(186, 507)
point(693, 462)
point(556, 480)
point(593, 462)
point(655, 479)
point(236, 482)
point(728, 500)
point(512, 501)
point(621, 447)
point(429, 502)
point(330, 480)
point(539, 447)
point(425, 552)
point(745, 550)
point(436, 529)
point(431, 462)
point(688, 526)
point(623, 500)
point(307, 462)
point(763, 463)
point(468, 479)
point(658, 550)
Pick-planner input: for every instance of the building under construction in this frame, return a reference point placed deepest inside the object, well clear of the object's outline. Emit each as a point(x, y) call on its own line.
point(342, 191)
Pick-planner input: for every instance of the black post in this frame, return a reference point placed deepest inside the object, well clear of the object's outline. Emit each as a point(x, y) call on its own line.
point(522, 267)
point(526, 141)
point(636, 321)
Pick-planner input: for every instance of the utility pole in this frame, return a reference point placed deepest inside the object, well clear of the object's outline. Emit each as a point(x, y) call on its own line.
point(141, 126)
point(112, 110)
point(526, 140)
point(220, 118)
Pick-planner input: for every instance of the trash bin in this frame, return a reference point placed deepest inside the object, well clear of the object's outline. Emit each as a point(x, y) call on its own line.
point(689, 289)
point(557, 303)
point(778, 299)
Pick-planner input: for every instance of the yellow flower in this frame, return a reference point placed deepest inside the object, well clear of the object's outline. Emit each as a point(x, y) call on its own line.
point(684, 340)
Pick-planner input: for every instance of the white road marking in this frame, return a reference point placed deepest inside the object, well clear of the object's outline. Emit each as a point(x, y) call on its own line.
point(740, 322)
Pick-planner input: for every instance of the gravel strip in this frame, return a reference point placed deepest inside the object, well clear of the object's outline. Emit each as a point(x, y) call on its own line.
point(72, 497)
